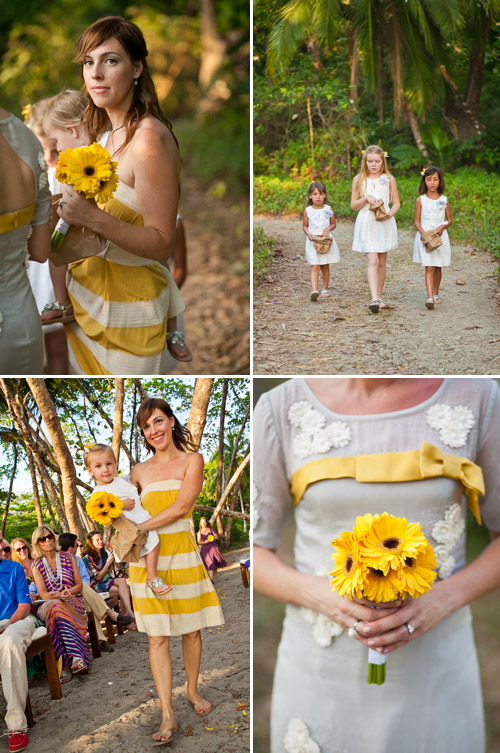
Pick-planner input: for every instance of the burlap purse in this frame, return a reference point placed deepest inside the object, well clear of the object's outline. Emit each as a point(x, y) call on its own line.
point(79, 242)
point(431, 240)
point(378, 209)
point(322, 243)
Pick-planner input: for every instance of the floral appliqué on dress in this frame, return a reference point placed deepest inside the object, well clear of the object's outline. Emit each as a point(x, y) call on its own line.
point(324, 630)
point(384, 180)
point(447, 533)
point(452, 423)
point(298, 738)
point(315, 437)
point(42, 178)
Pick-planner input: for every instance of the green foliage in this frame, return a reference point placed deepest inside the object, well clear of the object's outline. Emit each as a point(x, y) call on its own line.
point(473, 196)
point(263, 248)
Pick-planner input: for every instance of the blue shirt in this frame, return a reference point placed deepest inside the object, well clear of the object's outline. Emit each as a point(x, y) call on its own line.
point(13, 588)
point(83, 570)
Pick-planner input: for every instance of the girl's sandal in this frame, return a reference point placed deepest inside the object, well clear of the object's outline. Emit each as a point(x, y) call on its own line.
point(176, 338)
point(436, 299)
point(66, 676)
point(315, 295)
point(374, 307)
point(66, 310)
point(324, 293)
point(429, 304)
point(78, 666)
point(159, 587)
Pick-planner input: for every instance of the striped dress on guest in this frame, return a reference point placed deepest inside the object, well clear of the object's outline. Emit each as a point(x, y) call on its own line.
point(65, 621)
point(192, 603)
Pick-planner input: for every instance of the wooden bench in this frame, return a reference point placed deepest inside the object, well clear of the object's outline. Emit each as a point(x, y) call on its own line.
point(42, 644)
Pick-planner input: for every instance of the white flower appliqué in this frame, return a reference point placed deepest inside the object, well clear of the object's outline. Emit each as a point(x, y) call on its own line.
point(324, 630)
point(42, 179)
point(298, 738)
point(316, 437)
point(447, 532)
point(452, 423)
point(384, 180)
point(442, 201)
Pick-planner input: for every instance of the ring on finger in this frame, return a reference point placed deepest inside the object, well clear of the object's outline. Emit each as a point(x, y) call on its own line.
point(61, 204)
point(352, 632)
point(410, 628)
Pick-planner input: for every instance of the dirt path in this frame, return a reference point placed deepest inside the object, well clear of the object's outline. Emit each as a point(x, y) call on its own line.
point(217, 289)
point(339, 335)
point(115, 708)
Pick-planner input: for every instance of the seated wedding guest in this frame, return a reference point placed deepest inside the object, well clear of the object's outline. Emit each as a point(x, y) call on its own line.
point(21, 552)
point(100, 565)
point(93, 601)
point(59, 583)
point(25, 213)
point(6, 550)
point(16, 631)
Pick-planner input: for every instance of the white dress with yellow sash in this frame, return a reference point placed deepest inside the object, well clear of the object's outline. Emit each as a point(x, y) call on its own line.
point(21, 339)
point(192, 603)
point(428, 464)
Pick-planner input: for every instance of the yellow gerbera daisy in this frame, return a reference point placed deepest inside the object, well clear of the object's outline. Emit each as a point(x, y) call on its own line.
point(390, 540)
point(103, 506)
point(380, 586)
point(106, 189)
point(349, 572)
point(62, 166)
point(417, 574)
point(87, 166)
point(363, 524)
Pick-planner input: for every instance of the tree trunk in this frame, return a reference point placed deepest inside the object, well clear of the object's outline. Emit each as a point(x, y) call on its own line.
point(353, 82)
point(461, 119)
point(475, 75)
point(48, 492)
point(237, 442)
point(199, 407)
point(61, 451)
point(220, 467)
point(412, 119)
point(228, 488)
point(95, 403)
point(311, 130)
point(142, 391)
point(118, 422)
point(9, 495)
point(234, 501)
point(34, 483)
point(213, 47)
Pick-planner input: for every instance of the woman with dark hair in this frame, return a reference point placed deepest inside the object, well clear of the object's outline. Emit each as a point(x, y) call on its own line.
point(170, 482)
point(121, 296)
point(100, 565)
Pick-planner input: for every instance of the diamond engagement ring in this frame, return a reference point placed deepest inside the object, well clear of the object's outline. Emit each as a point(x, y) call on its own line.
point(411, 629)
point(352, 632)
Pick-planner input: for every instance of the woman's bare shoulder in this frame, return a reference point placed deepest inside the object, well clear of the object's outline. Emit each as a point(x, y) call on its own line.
point(152, 135)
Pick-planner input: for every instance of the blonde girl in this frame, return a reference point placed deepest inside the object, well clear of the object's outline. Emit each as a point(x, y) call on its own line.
point(319, 219)
point(375, 236)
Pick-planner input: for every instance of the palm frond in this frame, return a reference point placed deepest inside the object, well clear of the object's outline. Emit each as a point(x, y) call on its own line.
point(294, 25)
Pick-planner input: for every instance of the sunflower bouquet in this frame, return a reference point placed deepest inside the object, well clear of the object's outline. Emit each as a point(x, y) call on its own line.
point(91, 172)
point(103, 507)
point(382, 559)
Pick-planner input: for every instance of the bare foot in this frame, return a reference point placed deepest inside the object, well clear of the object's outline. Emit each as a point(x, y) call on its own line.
point(200, 704)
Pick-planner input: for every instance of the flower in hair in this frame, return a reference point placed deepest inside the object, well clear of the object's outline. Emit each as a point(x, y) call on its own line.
point(362, 151)
point(422, 172)
point(386, 154)
point(26, 112)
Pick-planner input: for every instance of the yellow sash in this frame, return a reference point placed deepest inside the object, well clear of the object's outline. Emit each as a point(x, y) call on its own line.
point(11, 220)
point(390, 467)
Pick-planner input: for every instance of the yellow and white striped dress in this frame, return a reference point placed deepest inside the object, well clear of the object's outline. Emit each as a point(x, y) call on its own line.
point(192, 603)
point(121, 303)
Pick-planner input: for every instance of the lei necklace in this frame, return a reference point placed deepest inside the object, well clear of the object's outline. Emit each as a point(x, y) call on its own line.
point(55, 581)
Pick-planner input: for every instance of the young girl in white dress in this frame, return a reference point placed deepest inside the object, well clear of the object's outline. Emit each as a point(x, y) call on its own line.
point(101, 464)
point(432, 212)
point(319, 219)
point(375, 236)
